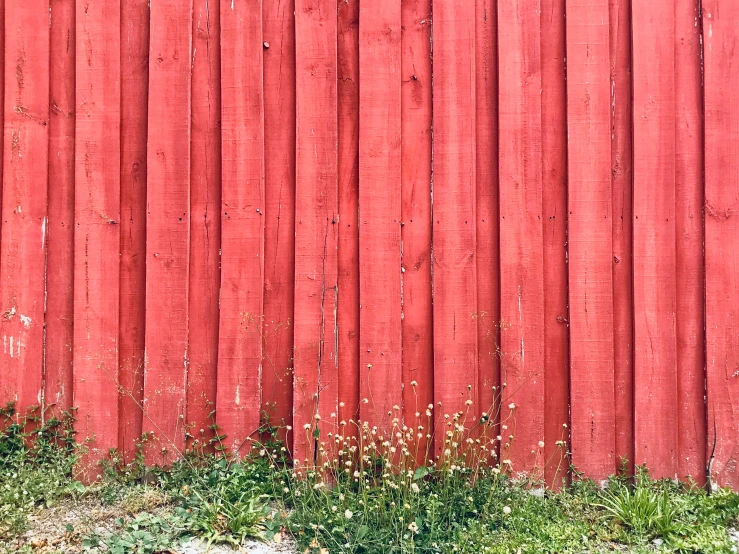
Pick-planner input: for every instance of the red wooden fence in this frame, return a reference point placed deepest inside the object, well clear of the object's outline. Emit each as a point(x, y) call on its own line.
point(303, 207)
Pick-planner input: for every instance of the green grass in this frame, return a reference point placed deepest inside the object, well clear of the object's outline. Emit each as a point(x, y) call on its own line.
point(363, 498)
point(35, 467)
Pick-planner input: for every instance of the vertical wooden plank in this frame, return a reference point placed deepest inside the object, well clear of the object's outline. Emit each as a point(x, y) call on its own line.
point(134, 131)
point(60, 257)
point(205, 220)
point(554, 206)
point(590, 239)
point(689, 246)
point(454, 269)
point(279, 239)
point(379, 216)
point(415, 122)
point(316, 230)
point(97, 228)
point(24, 201)
point(622, 230)
point(167, 229)
point(721, 77)
point(487, 225)
point(655, 369)
point(242, 216)
point(348, 246)
point(2, 120)
point(521, 240)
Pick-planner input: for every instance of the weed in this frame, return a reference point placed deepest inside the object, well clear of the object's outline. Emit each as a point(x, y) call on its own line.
point(646, 512)
point(222, 521)
point(147, 533)
point(143, 498)
point(369, 492)
point(36, 462)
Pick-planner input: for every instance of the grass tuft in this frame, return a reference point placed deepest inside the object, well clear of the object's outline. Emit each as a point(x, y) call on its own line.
point(367, 493)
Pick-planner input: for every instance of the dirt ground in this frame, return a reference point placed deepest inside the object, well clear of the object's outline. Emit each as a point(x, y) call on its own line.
point(62, 529)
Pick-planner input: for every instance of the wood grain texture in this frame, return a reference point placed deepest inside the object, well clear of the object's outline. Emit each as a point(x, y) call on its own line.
point(23, 243)
point(348, 245)
point(415, 122)
point(242, 219)
point(97, 229)
point(590, 231)
point(134, 133)
point(60, 256)
point(454, 269)
point(721, 77)
point(279, 241)
point(380, 340)
point(3, 390)
point(487, 225)
point(622, 230)
point(167, 230)
point(521, 239)
point(205, 221)
point(655, 363)
point(554, 206)
point(446, 179)
point(315, 389)
point(689, 243)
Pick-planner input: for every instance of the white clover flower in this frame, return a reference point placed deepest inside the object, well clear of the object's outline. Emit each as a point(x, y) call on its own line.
point(415, 488)
point(412, 527)
point(348, 514)
point(506, 510)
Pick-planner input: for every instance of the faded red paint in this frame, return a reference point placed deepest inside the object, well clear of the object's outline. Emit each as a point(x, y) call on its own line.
point(590, 243)
point(240, 206)
point(521, 239)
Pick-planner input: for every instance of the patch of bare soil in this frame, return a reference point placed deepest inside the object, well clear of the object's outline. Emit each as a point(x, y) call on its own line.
point(63, 528)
